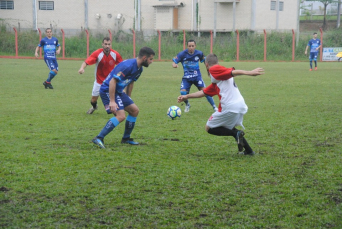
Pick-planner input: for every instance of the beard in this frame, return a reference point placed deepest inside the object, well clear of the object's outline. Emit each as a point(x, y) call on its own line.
point(145, 63)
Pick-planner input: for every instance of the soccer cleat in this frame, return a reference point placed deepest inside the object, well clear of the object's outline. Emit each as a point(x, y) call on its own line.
point(239, 139)
point(98, 142)
point(91, 110)
point(187, 107)
point(129, 141)
point(247, 153)
point(47, 85)
point(315, 68)
point(310, 69)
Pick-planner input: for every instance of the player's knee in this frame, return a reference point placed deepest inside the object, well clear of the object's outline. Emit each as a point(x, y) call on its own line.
point(120, 116)
point(55, 71)
point(207, 128)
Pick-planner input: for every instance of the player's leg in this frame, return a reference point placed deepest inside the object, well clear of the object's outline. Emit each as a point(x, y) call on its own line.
point(311, 59)
point(315, 59)
point(200, 85)
point(184, 90)
point(133, 112)
point(53, 72)
point(94, 97)
point(112, 122)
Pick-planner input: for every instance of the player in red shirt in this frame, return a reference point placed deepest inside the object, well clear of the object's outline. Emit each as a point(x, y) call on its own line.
point(232, 106)
point(105, 60)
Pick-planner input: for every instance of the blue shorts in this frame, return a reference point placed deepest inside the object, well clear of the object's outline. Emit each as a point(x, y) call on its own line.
point(52, 64)
point(186, 83)
point(313, 56)
point(122, 99)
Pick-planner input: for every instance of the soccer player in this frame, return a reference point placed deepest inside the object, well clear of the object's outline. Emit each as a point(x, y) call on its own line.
point(314, 45)
point(190, 59)
point(116, 101)
point(105, 60)
point(49, 44)
point(232, 106)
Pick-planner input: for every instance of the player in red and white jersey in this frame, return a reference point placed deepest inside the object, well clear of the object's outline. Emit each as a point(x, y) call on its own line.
point(105, 59)
point(232, 106)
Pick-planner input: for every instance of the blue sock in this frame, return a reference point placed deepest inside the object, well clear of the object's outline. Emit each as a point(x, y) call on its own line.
point(52, 74)
point(111, 124)
point(211, 100)
point(184, 93)
point(130, 123)
point(315, 63)
point(311, 64)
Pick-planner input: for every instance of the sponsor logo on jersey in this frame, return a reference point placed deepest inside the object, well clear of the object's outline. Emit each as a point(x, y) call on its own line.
point(196, 58)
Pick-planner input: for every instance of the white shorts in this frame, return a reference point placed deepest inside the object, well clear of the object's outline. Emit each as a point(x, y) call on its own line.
point(96, 89)
point(225, 119)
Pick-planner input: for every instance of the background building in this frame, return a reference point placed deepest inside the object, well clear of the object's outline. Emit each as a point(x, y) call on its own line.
point(151, 15)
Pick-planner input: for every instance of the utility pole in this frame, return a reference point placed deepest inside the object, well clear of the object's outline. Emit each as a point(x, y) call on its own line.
point(338, 14)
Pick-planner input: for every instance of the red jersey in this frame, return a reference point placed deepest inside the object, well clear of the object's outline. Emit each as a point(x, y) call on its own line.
point(224, 86)
point(104, 64)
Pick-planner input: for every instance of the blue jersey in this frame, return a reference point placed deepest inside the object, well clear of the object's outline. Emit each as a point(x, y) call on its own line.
point(125, 72)
point(190, 63)
point(49, 47)
point(313, 44)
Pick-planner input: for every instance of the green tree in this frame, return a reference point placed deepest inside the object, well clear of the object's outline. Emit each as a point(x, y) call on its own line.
point(325, 3)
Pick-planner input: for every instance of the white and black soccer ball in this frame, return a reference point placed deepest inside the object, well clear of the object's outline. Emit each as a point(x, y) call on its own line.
point(174, 112)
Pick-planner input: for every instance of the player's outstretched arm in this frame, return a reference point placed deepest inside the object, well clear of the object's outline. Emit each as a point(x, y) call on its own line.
point(254, 72)
point(197, 94)
point(83, 66)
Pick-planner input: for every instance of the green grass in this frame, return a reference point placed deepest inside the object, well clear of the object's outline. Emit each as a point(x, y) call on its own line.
point(52, 176)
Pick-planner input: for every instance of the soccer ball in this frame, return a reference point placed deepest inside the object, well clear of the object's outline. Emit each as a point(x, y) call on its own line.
point(174, 112)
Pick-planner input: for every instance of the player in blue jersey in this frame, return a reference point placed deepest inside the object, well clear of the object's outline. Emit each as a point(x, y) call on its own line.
point(314, 45)
point(51, 47)
point(115, 99)
point(190, 59)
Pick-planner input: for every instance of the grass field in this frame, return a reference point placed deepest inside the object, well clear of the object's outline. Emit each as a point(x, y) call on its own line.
point(52, 176)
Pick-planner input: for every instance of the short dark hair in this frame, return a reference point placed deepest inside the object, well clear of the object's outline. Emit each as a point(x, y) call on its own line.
point(191, 41)
point(146, 51)
point(211, 59)
point(106, 39)
point(314, 33)
point(48, 29)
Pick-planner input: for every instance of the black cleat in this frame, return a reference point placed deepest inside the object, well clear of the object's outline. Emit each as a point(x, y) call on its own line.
point(47, 85)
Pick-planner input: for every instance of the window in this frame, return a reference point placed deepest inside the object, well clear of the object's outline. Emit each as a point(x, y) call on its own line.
point(6, 5)
point(46, 5)
point(274, 5)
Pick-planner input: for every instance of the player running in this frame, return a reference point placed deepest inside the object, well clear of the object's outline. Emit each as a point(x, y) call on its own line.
point(314, 45)
point(190, 59)
point(232, 106)
point(49, 44)
point(116, 101)
point(105, 60)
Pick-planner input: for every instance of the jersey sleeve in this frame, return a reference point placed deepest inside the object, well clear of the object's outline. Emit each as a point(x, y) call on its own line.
point(211, 90)
point(41, 43)
point(92, 59)
point(177, 58)
point(202, 57)
point(120, 72)
point(221, 73)
point(118, 58)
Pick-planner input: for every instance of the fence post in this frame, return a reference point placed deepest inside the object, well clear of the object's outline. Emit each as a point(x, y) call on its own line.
point(40, 38)
point(63, 43)
point(211, 41)
point(133, 43)
point(184, 37)
point(87, 32)
point(159, 45)
point(265, 45)
point(321, 48)
point(110, 37)
point(293, 45)
point(16, 42)
point(237, 45)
